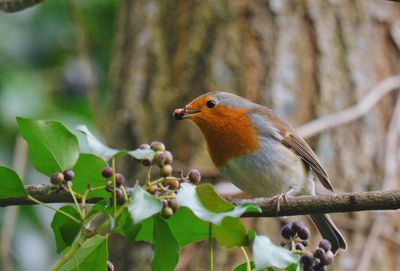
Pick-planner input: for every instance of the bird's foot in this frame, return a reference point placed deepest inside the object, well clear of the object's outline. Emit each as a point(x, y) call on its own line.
point(279, 198)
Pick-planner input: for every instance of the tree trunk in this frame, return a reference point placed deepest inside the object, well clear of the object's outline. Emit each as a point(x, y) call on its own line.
point(303, 59)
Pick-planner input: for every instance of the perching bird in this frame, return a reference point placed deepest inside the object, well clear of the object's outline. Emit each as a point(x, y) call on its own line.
point(259, 152)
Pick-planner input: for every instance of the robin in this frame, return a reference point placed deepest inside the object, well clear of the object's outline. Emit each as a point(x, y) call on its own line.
point(259, 152)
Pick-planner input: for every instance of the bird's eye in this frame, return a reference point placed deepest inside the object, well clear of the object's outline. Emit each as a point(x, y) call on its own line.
point(211, 103)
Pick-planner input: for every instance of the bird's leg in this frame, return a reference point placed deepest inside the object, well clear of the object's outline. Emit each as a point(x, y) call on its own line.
point(280, 197)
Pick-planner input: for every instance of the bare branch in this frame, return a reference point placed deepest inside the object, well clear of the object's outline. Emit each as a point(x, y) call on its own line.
point(344, 202)
point(352, 113)
point(17, 5)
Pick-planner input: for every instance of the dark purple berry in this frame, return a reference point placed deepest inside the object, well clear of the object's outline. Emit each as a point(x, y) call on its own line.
point(167, 212)
point(299, 246)
point(107, 172)
point(68, 175)
point(319, 267)
point(308, 268)
point(119, 193)
point(144, 147)
point(165, 171)
point(287, 231)
point(297, 226)
point(328, 258)
point(157, 146)
point(147, 162)
point(283, 243)
point(307, 259)
point(305, 243)
point(194, 176)
point(304, 233)
point(168, 158)
point(325, 245)
point(110, 266)
point(57, 178)
point(119, 179)
point(172, 203)
point(319, 253)
point(62, 186)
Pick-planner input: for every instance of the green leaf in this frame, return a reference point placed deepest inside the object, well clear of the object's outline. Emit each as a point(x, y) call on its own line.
point(88, 170)
point(142, 204)
point(98, 148)
point(100, 208)
point(64, 228)
point(266, 254)
point(127, 228)
point(188, 197)
point(243, 267)
point(146, 231)
point(186, 227)
point(231, 232)
point(52, 147)
point(11, 184)
point(211, 200)
point(91, 256)
point(165, 247)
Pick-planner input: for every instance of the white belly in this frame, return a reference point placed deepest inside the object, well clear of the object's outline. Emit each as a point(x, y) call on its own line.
point(274, 169)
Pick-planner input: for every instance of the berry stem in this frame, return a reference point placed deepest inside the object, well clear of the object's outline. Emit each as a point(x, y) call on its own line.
point(168, 197)
point(54, 209)
point(76, 202)
point(159, 180)
point(114, 185)
point(124, 192)
point(210, 247)
point(148, 177)
point(246, 257)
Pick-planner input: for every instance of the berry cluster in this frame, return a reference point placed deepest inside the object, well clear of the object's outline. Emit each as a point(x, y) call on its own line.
point(166, 187)
point(312, 261)
point(107, 173)
point(62, 179)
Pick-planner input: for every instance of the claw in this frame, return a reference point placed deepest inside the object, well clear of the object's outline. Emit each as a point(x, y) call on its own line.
point(279, 198)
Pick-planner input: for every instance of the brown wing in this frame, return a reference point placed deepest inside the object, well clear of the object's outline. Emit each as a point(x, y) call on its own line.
point(301, 148)
point(295, 143)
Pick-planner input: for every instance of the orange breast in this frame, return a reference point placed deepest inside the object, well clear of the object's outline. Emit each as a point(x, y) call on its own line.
point(229, 133)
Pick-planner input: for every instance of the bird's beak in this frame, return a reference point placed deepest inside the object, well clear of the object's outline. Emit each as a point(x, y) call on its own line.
point(184, 113)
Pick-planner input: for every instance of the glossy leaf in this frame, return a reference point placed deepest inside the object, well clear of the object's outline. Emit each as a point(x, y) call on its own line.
point(88, 170)
point(91, 256)
point(266, 254)
point(105, 152)
point(52, 147)
point(165, 247)
point(231, 232)
point(64, 228)
point(142, 204)
point(188, 197)
point(11, 184)
point(127, 228)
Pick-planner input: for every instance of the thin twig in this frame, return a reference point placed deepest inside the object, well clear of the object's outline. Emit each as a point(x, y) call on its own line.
point(352, 113)
point(17, 5)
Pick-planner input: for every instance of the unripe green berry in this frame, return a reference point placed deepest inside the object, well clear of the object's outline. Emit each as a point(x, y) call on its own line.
point(168, 157)
point(166, 171)
point(159, 158)
point(173, 184)
point(57, 178)
point(152, 189)
point(167, 212)
point(157, 146)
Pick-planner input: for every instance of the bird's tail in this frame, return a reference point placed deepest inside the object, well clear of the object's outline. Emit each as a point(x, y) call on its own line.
point(329, 231)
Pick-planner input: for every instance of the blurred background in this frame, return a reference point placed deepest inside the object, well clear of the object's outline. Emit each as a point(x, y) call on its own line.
point(121, 67)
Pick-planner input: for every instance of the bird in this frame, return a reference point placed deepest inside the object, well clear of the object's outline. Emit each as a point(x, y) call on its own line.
point(259, 152)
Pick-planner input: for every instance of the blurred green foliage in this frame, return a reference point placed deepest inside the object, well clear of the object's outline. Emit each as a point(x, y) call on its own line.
point(41, 77)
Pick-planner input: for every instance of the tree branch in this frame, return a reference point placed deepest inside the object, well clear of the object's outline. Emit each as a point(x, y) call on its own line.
point(334, 203)
point(17, 5)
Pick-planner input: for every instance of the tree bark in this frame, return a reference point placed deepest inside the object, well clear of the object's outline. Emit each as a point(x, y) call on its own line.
point(304, 59)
